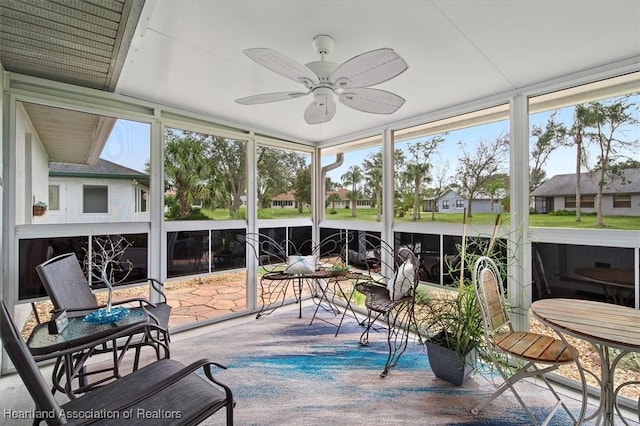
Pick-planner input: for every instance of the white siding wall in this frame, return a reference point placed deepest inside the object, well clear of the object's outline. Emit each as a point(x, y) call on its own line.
point(121, 202)
point(607, 206)
point(31, 179)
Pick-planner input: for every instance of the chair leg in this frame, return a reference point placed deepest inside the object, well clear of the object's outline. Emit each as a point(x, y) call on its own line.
point(364, 337)
point(528, 370)
point(399, 326)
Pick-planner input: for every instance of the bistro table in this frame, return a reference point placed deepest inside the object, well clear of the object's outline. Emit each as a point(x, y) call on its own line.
point(80, 339)
point(332, 286)
point(605, 326)
point(615, 281)
point(336, 286)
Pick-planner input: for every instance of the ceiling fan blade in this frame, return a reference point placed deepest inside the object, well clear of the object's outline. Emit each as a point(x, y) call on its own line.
point(368, 69)
point(270, 97)
point(321, 110)
point(371, 100)
point(283, 65)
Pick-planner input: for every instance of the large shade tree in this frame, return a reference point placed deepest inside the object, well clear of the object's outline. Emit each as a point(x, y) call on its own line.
point(302, 187)
point(418, 166)
point(228, 160)
point(611, 128)
point(277, 171)
point(475, 169)
point(373, 178)
point(545, 141)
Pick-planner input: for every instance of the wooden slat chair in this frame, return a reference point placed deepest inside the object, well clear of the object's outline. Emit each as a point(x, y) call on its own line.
point(385, 301)
point(527, 354)
point(164, 386)
point(69, 290)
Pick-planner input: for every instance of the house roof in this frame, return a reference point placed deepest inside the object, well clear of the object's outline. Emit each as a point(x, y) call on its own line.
point(285, 196)
point(565, 184)
point(101, 169)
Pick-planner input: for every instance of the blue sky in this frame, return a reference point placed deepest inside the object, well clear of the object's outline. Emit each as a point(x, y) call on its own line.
point(128, 145)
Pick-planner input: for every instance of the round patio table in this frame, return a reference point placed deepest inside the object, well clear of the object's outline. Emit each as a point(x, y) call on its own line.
point(606, 326)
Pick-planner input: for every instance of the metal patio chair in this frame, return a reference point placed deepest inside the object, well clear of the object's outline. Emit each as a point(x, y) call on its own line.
point(391, 299)
point(518, 355)
point(69, 291)
point(165, 386)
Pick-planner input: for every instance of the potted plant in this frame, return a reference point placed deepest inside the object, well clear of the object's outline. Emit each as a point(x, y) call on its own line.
point(450, 324)
point(39, 208)
point(449, 319)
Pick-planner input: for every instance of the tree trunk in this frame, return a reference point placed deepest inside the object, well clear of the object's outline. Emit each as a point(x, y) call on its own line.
point(578, 164)
point(600, 219)
point(416, 200)
point(378, 206)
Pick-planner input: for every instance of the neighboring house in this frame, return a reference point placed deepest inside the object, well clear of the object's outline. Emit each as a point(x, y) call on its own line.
point(103, 192)
point(287, 200)
point(284, 200)
point(364, 202)
point(452, 202)
point(620, 197)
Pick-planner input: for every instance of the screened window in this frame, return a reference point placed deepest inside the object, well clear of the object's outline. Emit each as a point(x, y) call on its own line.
point(586, 201)
point(621, 201)
point(54, 197)
point(459, 204)
point(141, 200)
point(95, 199)
point(206, 176)
point(355, 182)
point(283, 182)
point(445, 204)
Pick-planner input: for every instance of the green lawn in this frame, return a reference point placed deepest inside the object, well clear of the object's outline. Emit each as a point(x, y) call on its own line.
point(536, 220)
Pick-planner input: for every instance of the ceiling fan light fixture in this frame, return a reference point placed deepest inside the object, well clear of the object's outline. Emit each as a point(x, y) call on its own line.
point(323, 78)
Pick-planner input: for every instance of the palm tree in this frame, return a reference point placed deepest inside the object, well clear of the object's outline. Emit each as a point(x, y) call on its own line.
point(492, 188)
point(333, 198)
point(352, 178)
point(185, 167)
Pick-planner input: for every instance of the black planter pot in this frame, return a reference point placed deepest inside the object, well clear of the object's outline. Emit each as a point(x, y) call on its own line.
point(450, 366)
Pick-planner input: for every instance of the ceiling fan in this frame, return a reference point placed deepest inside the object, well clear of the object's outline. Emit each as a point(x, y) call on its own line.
point(324, 79)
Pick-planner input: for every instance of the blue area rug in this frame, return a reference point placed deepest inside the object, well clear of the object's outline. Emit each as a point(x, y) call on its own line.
point(284, 371)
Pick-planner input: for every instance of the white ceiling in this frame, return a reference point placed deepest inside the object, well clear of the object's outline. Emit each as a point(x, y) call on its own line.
point(188, 54)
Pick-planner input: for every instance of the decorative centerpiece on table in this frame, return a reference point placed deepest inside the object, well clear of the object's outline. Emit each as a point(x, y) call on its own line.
point(339, 268)
point(105, 263)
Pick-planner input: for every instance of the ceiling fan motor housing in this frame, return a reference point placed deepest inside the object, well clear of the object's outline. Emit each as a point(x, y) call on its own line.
point(323, 44)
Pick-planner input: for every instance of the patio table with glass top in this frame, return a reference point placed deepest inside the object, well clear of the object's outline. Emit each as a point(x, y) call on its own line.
point(611, 329)
point(81, 339)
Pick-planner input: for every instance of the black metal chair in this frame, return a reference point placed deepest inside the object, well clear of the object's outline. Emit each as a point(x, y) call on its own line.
point(165, 386)
point(275, 281)
point(392, 299)
point(69, 291)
